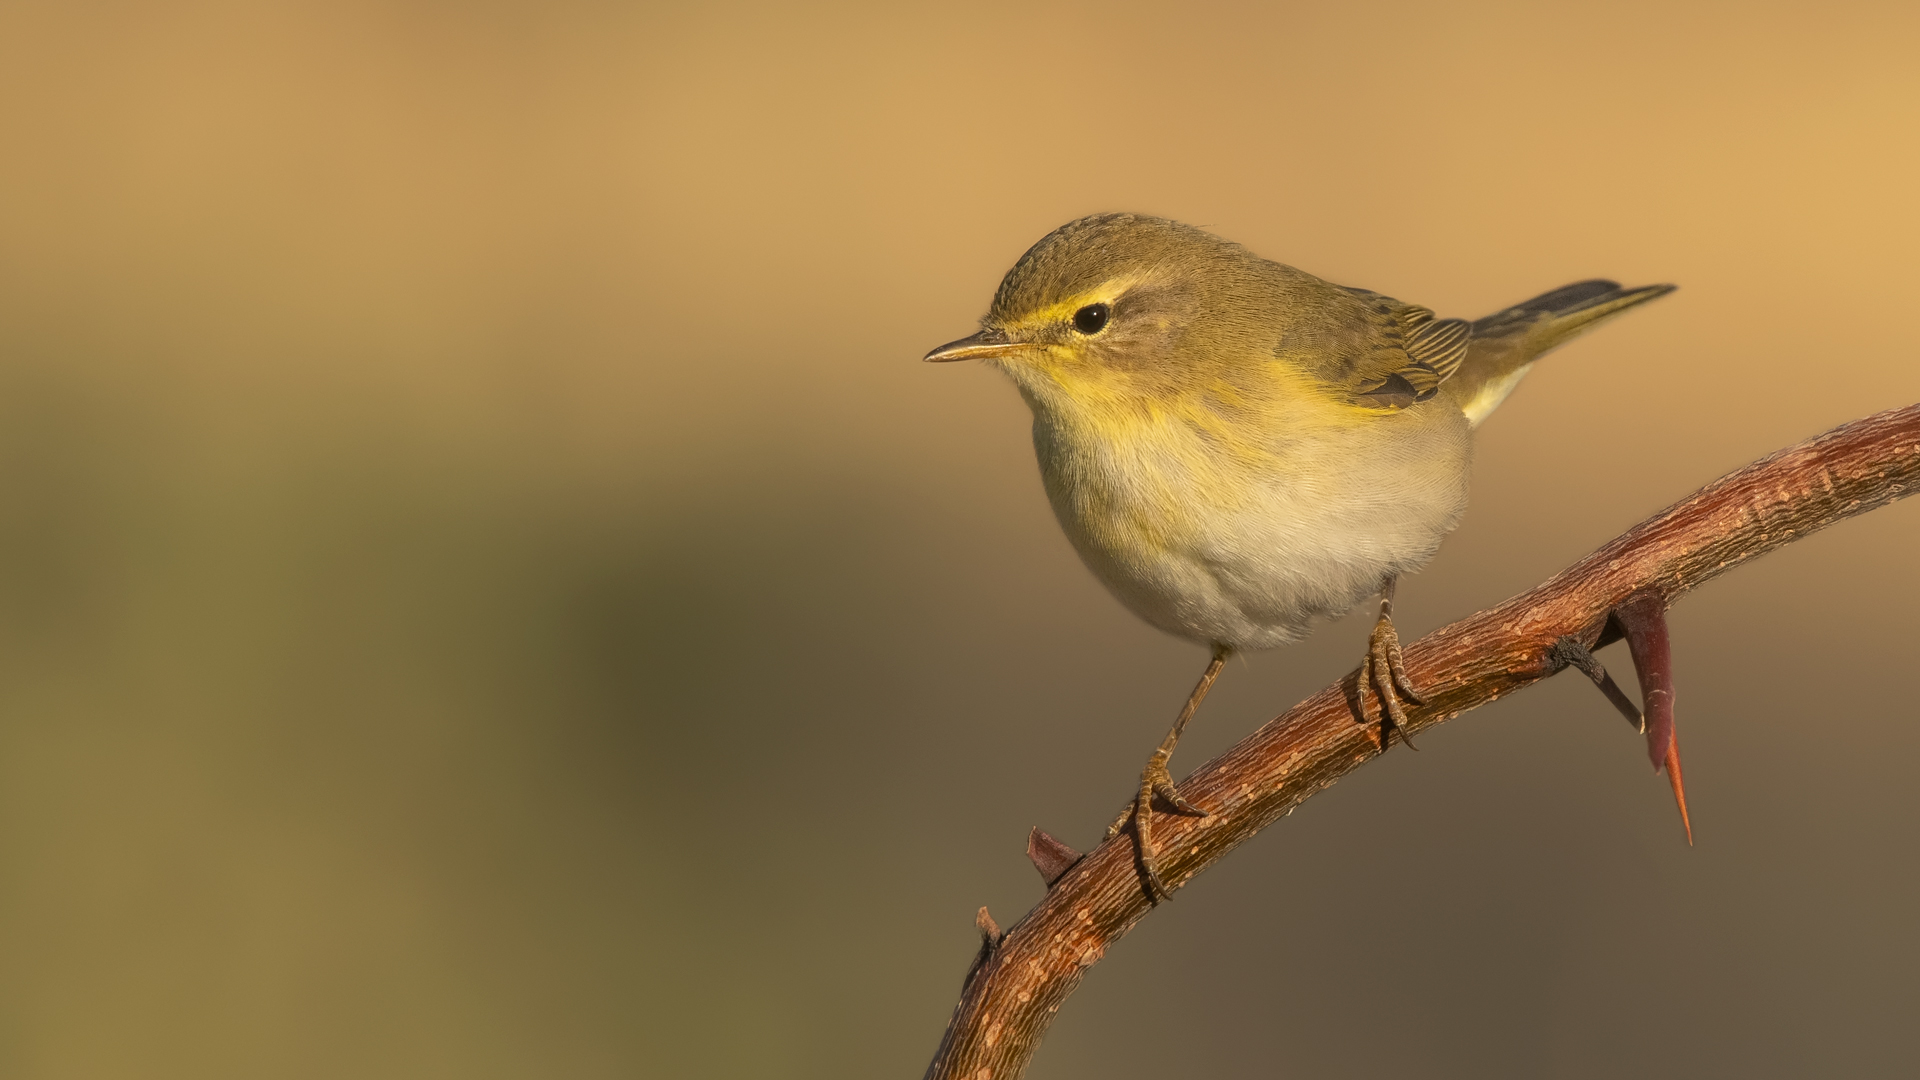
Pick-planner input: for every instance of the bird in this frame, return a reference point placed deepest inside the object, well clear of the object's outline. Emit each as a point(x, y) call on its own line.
point(1238, 449)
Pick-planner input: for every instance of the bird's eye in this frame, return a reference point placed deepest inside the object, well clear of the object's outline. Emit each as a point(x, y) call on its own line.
point(1089, 319)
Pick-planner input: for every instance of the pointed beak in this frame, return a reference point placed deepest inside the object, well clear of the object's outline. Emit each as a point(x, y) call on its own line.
point(978, 346)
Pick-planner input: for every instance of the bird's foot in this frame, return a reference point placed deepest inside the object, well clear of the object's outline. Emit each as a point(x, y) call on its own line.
point(1154, 780)
point(1386, 673)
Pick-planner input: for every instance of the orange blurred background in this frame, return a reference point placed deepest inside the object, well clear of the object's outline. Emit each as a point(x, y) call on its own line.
point(486, 589)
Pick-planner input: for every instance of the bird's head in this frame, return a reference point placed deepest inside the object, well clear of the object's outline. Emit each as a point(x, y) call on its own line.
point(1122, 304)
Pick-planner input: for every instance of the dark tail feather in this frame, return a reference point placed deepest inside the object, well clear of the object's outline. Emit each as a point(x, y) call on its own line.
point(1505, 342)
point(1567, 310)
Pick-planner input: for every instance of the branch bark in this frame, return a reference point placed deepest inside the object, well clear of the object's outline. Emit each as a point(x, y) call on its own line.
point(1022, 977)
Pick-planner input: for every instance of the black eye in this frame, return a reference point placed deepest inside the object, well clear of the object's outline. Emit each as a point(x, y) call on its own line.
point(1089, 319)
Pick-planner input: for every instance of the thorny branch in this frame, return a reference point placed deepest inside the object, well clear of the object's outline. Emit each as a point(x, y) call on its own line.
point(1022, 976)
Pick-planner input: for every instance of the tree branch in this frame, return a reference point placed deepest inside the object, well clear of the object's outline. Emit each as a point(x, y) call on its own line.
point(1022, 977)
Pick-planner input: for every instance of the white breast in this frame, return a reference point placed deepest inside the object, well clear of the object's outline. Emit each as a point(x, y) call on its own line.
point(1247, 550)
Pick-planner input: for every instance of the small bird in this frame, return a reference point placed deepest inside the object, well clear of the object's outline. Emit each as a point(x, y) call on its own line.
point(1237, 448)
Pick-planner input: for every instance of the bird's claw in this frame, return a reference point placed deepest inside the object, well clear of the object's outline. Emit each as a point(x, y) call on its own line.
point(1385, 671)
point(1159, 782)
point(1154, 780)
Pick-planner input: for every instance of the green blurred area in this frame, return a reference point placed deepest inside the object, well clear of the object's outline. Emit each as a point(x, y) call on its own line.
point(486, 591)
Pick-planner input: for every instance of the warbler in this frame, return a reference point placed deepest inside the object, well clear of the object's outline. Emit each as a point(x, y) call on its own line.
point(1237, 448)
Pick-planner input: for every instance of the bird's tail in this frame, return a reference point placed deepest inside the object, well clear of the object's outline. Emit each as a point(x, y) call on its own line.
point(1505, 344)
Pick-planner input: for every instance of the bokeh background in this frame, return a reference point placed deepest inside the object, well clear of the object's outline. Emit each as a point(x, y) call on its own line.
point(486, 589)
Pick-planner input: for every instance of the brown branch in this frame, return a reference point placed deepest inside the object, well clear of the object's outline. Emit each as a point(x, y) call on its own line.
point(1023, 976)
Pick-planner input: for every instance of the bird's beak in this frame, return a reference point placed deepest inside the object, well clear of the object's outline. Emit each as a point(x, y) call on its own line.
point(978, 346)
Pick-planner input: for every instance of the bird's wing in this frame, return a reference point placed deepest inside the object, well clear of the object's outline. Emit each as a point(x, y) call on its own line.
point(1397, 354)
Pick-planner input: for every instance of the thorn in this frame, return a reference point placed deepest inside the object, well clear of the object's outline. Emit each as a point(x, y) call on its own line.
point(989, 930)
point(1049, 856)
point(1644, 618)
point(1679, 789)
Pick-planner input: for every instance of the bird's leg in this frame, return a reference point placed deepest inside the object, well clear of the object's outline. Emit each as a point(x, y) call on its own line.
point(1386, 673)
point(1155, 780)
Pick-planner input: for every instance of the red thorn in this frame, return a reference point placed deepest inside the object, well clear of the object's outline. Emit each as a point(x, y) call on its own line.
point(1644, 618)
point(1049, 856)
point(1679, 785)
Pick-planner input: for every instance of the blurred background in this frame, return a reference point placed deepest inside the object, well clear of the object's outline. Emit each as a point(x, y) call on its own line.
point(487, 589)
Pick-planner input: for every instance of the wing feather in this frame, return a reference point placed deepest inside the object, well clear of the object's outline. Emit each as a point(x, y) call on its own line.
point(1409, 353)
